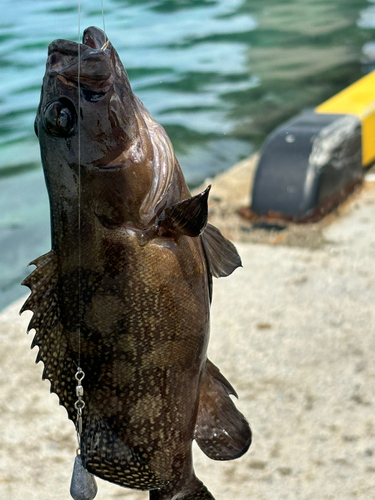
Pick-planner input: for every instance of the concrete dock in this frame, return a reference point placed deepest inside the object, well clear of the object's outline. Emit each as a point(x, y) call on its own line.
point(293, 331)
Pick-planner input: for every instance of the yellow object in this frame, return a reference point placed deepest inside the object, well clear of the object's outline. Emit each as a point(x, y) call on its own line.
point(358, 99)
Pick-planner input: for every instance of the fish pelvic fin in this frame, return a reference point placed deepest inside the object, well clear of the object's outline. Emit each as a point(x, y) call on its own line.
point(221, 431)
point(221, 254)
point(194, 490)
point(188, 217)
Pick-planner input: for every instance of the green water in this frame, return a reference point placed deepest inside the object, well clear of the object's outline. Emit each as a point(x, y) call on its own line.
point(219, 75)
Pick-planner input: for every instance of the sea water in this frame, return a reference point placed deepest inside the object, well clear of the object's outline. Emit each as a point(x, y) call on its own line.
point(219, 75)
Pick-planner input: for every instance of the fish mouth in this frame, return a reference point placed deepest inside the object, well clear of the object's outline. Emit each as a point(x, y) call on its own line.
point(89, 62)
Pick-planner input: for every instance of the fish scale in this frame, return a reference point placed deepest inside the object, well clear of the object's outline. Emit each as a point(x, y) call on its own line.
point(123, 297)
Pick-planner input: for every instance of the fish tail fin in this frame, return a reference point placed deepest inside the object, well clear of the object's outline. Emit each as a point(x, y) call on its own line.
point(194, 490)
point(221, 431)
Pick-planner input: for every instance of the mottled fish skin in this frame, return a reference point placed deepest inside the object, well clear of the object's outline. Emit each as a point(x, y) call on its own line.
point(125, 290)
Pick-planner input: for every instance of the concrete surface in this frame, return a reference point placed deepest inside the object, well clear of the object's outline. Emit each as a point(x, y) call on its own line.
point(293, 331)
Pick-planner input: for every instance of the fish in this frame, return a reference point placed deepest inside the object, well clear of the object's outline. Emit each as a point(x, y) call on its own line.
point(124, 294)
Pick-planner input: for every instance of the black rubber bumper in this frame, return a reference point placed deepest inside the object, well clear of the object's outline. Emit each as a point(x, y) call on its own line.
point(308, 165)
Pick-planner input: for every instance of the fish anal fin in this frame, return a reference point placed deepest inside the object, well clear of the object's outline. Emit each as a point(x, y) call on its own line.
point(108, 456)
point(221, 431)
point(221, 254)
point(188, 217)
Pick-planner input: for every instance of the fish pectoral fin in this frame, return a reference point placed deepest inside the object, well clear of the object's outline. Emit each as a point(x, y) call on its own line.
point(188, 218)
point(221, 431)
point(221, 254)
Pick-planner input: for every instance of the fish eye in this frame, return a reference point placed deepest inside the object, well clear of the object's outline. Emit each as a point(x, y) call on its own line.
point(59, 118)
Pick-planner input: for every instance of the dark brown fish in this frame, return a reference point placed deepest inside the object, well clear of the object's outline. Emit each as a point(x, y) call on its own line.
point(125, 291)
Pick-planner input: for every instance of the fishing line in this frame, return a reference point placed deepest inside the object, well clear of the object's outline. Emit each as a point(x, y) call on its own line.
point(83, 485)
point(102, 3)
point(105, 45)
point(80, 374)
point(79, 404)
point(79, 180)
point(79, 164)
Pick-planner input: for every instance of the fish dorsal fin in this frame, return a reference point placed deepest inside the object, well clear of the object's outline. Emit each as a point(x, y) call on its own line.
point(221, 431)
point(188, 217)
point(221, 254)
point(59, 367)
point(42, 301)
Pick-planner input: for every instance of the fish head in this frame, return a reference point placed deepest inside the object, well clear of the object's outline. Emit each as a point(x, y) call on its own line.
point(95, 132)
point(86, 97)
